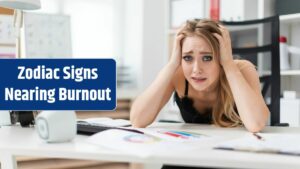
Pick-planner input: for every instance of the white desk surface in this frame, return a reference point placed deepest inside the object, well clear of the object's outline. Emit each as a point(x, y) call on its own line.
point(25, 141)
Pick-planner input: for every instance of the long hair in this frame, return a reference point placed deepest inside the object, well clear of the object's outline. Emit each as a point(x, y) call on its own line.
point(224, 112)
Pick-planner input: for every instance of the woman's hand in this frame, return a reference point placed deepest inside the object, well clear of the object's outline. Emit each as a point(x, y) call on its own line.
point(176, 53)
point(225, 46)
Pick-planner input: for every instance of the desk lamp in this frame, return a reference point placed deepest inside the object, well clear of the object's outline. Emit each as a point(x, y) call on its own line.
point(18, 5)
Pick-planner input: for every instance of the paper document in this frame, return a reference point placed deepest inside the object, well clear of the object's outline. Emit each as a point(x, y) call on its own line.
point(175, 135)
point(148, 142)
point(105, 121)
point(266, 143)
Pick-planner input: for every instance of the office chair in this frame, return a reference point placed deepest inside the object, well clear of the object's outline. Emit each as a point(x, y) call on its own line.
point(269, 29)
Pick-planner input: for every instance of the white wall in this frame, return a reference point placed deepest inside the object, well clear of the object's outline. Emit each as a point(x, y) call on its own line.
point(144, 39)
point(134, 32)
point(131, 30)
point(92, 27)
point(92, 23)
point(154, 41)
point(52, 6)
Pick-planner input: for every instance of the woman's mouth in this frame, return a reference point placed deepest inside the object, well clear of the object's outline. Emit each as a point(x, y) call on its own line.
point(199, 79)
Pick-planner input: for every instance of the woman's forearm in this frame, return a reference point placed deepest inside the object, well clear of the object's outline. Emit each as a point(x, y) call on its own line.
point(147, 105)
point(250, 103)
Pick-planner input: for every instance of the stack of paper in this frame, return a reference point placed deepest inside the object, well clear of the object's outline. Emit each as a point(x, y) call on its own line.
point(267, 143)
point(147, 142)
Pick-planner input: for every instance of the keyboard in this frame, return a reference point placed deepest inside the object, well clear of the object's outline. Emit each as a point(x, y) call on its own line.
point(86, 128)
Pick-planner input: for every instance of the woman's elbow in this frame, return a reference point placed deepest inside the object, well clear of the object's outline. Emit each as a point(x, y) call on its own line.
point(141, 117)
point(135, 120)
point(254, 128)
point(137, 124)
point(260, 123)
point(257, 126)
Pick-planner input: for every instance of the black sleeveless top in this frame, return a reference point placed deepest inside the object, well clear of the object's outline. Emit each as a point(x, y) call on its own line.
point(188, 111)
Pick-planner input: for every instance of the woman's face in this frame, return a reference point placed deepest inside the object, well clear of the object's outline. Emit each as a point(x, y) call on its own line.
point(199, 66)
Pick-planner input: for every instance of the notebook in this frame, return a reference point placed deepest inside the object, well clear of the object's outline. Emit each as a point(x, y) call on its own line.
point(265, 143)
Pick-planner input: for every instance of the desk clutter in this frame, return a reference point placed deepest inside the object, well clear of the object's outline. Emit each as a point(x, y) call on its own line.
point(265, 143)
point(147, 142)
point(118, 134)
point(25, 118)
point(56, 126)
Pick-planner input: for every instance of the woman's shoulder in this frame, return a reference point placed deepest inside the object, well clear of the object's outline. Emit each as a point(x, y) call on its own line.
point(242, 64)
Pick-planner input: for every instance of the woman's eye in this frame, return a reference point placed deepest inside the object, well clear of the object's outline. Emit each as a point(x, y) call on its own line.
point(187, 58)
point(207, 58)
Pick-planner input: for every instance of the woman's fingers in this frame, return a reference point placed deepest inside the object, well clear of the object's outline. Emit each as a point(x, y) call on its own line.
point(179, 38)
point(219, 37)
point(176, 54)
point(224, 30)
point(181, 27)
point(177, 45)
point(177, 41)
point(225, 47)
point(225, 36)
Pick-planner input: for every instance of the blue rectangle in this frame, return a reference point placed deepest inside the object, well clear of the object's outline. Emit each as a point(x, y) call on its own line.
point(57, 84)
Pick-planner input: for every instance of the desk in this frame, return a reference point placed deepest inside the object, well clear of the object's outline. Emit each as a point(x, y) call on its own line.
point(25, 141)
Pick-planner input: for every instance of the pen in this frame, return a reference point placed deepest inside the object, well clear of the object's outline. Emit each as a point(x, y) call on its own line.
point(258, 137)
point(131, 130)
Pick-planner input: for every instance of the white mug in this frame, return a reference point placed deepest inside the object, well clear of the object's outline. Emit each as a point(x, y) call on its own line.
point(5, 118)
point(56, 126)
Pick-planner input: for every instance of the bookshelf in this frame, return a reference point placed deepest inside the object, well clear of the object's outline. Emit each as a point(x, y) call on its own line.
point(291, 18)
point(290, 28)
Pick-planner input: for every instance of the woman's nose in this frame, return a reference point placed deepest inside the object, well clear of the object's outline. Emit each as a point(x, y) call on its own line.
point(197, 68)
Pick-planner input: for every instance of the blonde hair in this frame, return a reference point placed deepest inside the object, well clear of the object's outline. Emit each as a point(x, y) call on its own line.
point(224, 113)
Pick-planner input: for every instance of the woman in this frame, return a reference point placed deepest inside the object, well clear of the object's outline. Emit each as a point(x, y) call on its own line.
point(208, 85)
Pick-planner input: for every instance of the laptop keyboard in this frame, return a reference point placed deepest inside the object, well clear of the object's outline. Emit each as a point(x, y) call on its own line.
point(90, 129)
point(86, 128)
